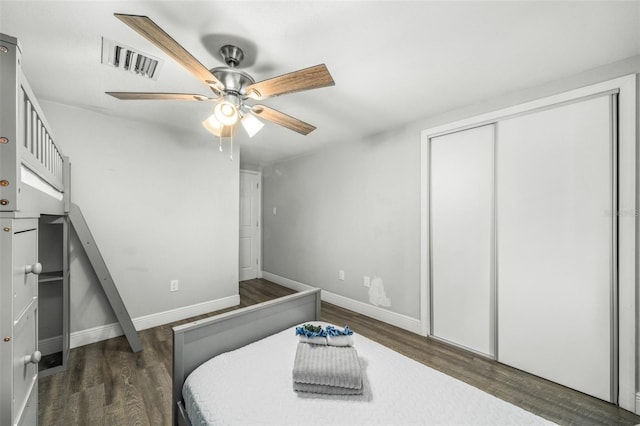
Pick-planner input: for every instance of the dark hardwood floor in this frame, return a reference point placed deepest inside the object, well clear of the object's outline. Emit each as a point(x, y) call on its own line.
point(107, 384)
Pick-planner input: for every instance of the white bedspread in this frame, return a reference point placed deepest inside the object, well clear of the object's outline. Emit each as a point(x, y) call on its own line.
point(253, 386)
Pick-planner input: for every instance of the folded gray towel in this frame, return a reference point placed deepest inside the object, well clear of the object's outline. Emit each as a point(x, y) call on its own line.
point(327, 365)
point(324, 389)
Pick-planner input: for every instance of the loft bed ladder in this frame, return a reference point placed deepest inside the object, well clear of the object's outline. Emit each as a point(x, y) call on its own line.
point(100, 267)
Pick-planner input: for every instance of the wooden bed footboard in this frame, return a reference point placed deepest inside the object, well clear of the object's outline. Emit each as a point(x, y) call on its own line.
point(199, 341)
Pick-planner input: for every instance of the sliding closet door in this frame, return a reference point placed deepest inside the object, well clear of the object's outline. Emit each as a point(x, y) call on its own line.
point(461, 229)
point(555, 244)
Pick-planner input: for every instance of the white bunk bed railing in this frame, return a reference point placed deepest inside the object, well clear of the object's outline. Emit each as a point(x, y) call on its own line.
point(39, 152)
point(34, 173)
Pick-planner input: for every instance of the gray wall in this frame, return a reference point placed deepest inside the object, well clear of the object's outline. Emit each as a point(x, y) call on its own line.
point(161, 204)
point(356, 205)
point(353, 207)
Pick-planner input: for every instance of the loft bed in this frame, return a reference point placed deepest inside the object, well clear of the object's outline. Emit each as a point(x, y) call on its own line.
point(35, 183)
point(34, 186)
point(34, 279)
point(236, 368)
point(35, 173)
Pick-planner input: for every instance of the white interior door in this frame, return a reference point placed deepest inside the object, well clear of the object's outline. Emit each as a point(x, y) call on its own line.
point(461, 229)
point(555, 244)
point(249, 258)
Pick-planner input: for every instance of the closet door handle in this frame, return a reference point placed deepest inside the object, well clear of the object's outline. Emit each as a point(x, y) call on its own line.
point(34, 358)
point(35, 269)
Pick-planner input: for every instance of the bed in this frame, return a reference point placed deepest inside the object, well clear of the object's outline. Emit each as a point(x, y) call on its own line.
point(34, 194)
point(236, 369)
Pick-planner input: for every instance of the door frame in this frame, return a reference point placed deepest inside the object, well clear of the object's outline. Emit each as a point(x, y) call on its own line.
point(259, 233)
point(628, 226)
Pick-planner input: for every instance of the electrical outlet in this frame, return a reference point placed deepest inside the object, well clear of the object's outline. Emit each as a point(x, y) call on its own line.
point(367, 281)
point(341, 275)
point(173, 285)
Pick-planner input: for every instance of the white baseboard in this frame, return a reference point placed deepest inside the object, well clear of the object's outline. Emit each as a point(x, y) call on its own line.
point(50, 345)
point(638, 403)
point(95, 334)
point(384, 315)
point(286, 282)
point(108, 331)
point(154, 320)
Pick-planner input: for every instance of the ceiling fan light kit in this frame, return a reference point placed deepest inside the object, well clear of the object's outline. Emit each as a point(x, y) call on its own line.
point(231, 86)
point(213, 125)
point(251, 124)
point(226, 113)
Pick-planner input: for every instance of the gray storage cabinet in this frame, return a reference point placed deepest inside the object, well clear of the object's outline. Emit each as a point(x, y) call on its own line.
point(19, 320)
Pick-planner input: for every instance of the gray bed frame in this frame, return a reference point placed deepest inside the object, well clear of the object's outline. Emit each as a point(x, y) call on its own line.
point(199, 341)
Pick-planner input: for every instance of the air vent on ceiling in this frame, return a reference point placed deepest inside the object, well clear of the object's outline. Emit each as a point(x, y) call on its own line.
point(126, 58)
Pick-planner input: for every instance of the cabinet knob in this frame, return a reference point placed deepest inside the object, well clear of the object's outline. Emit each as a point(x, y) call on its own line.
point(34, 358)
point(36, 268)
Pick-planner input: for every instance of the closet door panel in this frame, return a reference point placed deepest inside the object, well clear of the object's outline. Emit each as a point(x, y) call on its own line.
point(554, 245)
point(461, 206)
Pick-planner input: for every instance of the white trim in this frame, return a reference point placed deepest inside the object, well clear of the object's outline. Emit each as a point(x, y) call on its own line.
point(50, 345)
point(499, 114)
point(161, 318)
point(286, 282)
point(629, 228)
point(375, 312)
point(627, 243)
point(260, 227)
point(638, 403)
point(425, 323)
point(95, 334)
point(384, 315)
point(108, 331)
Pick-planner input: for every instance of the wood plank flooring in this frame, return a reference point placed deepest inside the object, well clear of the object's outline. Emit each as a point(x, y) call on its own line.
point(106, 384)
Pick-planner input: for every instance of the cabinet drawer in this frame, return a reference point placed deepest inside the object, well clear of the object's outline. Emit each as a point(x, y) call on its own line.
point(25, 375)
point(25, 285)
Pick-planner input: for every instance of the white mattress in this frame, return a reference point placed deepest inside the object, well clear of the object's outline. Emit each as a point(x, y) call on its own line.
point(253, 386)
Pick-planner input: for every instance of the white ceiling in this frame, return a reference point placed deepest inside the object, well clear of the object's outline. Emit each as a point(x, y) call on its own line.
point(393, 61)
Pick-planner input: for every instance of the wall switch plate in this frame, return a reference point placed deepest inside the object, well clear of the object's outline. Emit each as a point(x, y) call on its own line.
point(367, 281)
point(275, 211)
point(173, 285)
point(341, 275)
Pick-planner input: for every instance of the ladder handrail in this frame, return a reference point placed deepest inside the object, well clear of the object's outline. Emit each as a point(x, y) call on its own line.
point(104, 276)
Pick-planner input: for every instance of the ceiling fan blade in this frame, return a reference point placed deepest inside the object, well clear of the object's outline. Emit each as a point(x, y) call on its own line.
point(283, 119)
point(133, 96)
point(305, 79)
point(144, 26)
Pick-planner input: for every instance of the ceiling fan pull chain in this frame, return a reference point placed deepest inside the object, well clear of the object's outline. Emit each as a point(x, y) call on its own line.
point(231, 147)
point(220, 137)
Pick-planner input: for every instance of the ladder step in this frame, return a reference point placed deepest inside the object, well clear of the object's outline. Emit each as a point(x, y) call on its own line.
point(102, 272)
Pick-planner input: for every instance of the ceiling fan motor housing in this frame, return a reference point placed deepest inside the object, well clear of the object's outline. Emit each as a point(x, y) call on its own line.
point(234, 81)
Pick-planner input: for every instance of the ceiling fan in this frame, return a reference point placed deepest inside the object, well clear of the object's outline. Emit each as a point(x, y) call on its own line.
point(232, 88)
